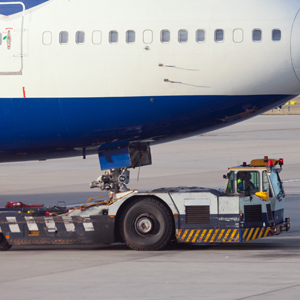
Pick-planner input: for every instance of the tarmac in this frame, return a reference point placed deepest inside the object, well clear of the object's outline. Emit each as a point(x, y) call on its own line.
point(263, 269)
point(292, 108)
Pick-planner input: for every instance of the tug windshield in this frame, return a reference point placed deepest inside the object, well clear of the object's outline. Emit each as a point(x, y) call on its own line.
point(247, 181)
point(276, 184)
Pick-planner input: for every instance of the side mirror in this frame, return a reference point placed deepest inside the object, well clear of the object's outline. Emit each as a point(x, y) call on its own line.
point(226, 176)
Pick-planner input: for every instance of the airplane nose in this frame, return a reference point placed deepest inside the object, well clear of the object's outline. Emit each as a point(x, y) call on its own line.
point(295, 45)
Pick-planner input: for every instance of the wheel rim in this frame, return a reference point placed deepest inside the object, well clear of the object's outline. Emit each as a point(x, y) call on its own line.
point(146, 225)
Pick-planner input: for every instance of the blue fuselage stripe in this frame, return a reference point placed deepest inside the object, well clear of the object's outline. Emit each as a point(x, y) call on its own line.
point(45, 124)
point(11, 9)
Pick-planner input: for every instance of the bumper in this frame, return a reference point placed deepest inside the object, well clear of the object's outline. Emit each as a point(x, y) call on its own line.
point(235, 235)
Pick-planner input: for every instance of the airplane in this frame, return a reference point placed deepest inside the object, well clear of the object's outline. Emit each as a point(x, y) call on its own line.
point(116, 77)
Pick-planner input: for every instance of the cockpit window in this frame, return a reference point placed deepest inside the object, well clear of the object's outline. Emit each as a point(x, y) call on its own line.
point(276, 184)
point(247, 180)
point(230, 185)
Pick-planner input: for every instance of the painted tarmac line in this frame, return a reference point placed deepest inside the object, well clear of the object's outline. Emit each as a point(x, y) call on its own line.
point(291, 180)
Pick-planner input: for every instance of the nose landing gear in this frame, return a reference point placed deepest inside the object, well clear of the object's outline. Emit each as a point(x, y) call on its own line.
point(113, 180)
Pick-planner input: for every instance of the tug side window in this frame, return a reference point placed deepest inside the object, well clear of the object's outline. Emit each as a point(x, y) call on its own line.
point(266, 184)
point(248, 180)
point(230, 185)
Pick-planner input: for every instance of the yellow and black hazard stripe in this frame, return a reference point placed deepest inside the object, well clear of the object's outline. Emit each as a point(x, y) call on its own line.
point(221, 235)
point(209, 235)
point(255, 233)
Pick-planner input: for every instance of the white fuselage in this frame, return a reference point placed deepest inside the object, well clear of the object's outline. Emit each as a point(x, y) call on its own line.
point(40, 64)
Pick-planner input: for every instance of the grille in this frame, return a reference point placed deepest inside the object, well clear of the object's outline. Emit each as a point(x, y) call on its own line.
point(269, 213)
point(253, 213)
point(197, 214)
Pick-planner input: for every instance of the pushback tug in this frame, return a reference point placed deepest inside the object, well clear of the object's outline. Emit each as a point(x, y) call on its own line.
point(250, 207)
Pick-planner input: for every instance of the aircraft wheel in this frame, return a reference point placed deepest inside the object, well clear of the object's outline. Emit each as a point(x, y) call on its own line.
point(4, 245)
point(146, 224)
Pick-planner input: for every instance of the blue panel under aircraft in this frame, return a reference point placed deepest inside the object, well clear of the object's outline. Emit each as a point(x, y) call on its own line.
point(113, 159)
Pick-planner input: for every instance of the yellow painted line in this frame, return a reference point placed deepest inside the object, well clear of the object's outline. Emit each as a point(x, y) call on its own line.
point(249, 235)
point(190, 235)
point(233, 234)
point(196, 235)
point(255, 233)
point(214, 236)
point(226, 235)
point(261, 232)
point(208, 235)
point(202, 235)
point(179, 233)
point(267, 231)
point(245, 233)
point(220, 235)
point(185, 233)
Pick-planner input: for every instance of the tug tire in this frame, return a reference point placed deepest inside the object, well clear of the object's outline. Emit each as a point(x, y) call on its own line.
point(146, 224)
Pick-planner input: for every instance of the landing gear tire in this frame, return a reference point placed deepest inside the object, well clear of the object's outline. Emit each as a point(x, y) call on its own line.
point(146, 225)
point(4, 245)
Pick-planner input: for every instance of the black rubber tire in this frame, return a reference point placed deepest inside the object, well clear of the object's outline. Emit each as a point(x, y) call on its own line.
point(4, 245)
point(158, 215)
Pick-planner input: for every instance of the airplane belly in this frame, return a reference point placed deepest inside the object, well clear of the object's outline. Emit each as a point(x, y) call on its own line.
point(52, 125)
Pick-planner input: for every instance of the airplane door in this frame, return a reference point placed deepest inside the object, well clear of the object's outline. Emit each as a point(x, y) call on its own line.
point(11, 33)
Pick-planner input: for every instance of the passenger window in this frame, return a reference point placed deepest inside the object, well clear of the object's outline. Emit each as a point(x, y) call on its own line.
point(130, 36)
point(113, 37)
point(219, 35)
point(80, 36)
point(200, 36)
point(238, 35)
point(182, 36)
point(276, 35)
point(248, 181)
point(256, 35)
point(230, 184)
point(97, 37)
point(165, 36)
point(148, 36)
point(47, 38)
point(64, 37)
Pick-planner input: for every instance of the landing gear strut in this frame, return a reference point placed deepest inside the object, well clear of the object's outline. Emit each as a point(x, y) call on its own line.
point(113, 180)
point(116, 161)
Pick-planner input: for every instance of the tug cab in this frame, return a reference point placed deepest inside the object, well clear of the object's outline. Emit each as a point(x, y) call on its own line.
point(261, 193)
